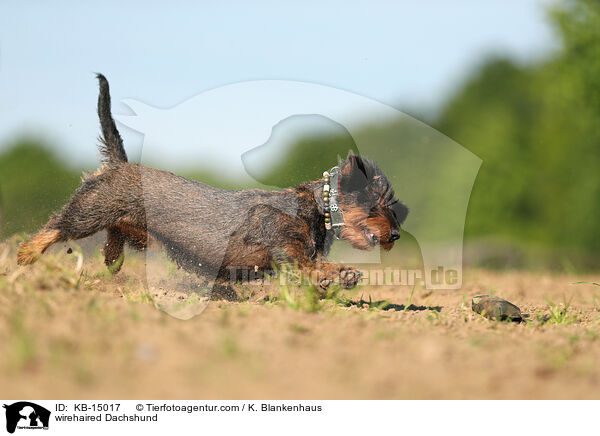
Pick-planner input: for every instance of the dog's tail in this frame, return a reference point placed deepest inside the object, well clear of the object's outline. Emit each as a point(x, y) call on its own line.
point(111, 144)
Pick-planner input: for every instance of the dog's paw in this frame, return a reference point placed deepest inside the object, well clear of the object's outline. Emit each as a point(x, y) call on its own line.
point(349, 277)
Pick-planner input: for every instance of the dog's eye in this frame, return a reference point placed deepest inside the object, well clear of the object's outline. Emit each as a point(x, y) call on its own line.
point(378, 180)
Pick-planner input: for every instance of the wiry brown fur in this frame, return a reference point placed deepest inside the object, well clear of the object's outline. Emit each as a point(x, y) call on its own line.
point(225, 232)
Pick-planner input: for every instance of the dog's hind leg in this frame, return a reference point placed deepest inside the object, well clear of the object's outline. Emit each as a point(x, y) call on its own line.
point(113, 249)
point(97, 205)
point(116, 236)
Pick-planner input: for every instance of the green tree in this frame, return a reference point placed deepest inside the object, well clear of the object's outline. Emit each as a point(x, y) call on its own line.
point(536, 129)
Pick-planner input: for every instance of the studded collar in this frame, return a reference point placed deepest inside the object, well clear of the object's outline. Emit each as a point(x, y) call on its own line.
point(334, 219)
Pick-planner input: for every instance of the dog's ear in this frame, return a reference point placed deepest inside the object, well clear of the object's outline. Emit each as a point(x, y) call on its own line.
point(354, 174)
point(400, 211)
point(353, 162)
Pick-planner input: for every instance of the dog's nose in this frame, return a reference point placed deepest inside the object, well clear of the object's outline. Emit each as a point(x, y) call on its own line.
point(394, 234)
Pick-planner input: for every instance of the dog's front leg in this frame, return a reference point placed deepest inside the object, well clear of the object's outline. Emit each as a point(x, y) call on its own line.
point(318, 270)
point(329, 272)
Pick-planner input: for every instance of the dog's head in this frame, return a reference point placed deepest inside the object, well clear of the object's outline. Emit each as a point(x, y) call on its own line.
point(372, 214)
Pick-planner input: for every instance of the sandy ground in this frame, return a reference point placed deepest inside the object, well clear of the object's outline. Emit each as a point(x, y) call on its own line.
point(70, 333)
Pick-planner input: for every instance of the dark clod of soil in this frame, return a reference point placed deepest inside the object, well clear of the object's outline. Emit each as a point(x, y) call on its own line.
point(496, 308)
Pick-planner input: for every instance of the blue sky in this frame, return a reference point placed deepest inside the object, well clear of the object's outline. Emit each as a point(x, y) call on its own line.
point(409, 55)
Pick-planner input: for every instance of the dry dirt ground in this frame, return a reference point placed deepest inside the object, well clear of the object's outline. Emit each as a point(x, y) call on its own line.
point(74, 331)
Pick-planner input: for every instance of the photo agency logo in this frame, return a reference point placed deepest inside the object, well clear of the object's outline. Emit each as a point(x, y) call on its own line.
point(24, 415)
point(276, 134)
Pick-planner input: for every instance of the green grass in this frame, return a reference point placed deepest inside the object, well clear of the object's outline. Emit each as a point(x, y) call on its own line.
point(301, 295)
point(409, 302)
point(558, 314)
point(433, 316)
point(595, 294)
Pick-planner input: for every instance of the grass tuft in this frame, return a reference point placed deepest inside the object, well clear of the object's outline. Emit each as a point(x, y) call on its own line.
point(558, 314)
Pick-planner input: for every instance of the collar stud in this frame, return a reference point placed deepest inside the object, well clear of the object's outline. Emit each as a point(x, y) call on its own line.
point(332, 214)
